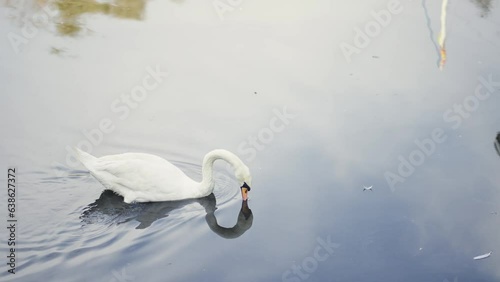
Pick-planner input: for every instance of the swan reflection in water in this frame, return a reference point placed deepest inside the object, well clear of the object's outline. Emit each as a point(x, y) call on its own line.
point(110, 209)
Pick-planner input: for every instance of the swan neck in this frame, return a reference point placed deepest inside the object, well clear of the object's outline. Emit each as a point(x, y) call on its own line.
point(208, 163)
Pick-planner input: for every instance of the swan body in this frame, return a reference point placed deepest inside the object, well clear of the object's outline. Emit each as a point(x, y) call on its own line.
point(140, 177)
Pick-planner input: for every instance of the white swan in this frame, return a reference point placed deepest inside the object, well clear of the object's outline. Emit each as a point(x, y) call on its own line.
point(147, 178)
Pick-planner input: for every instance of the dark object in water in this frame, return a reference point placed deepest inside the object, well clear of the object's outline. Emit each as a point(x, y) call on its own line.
point(497, 143)
point(111, 209)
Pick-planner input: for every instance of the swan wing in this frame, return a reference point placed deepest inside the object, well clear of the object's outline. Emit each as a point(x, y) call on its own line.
point(141, 177)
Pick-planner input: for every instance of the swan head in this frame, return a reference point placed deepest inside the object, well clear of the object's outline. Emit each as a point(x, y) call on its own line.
point(245, 180)
point(244, 191)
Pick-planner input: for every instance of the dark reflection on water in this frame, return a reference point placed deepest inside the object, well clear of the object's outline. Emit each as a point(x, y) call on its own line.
point(111, 209)
point(484, 5)
point(431, 32)
point(243, 223)
point(497, 143)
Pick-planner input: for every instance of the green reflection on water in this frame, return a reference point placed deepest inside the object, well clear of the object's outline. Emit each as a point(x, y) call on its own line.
point(71, 10)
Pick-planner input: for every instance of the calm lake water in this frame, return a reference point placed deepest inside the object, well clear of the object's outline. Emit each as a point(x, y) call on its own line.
point(318, 98)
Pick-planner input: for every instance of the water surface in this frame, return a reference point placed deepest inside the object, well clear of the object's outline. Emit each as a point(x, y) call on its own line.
point(271, 83)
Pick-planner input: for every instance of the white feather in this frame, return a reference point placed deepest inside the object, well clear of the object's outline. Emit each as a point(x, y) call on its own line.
point(483, 256)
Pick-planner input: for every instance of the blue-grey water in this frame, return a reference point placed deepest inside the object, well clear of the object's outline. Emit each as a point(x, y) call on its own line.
point(318, 98)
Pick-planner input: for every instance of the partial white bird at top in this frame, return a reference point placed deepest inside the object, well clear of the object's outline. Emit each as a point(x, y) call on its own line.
point(367, 188)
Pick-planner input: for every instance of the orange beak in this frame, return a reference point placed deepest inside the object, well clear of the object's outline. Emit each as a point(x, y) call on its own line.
point(244, 193)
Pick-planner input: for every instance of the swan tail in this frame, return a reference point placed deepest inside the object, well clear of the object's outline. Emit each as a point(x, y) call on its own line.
point(84, 157)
